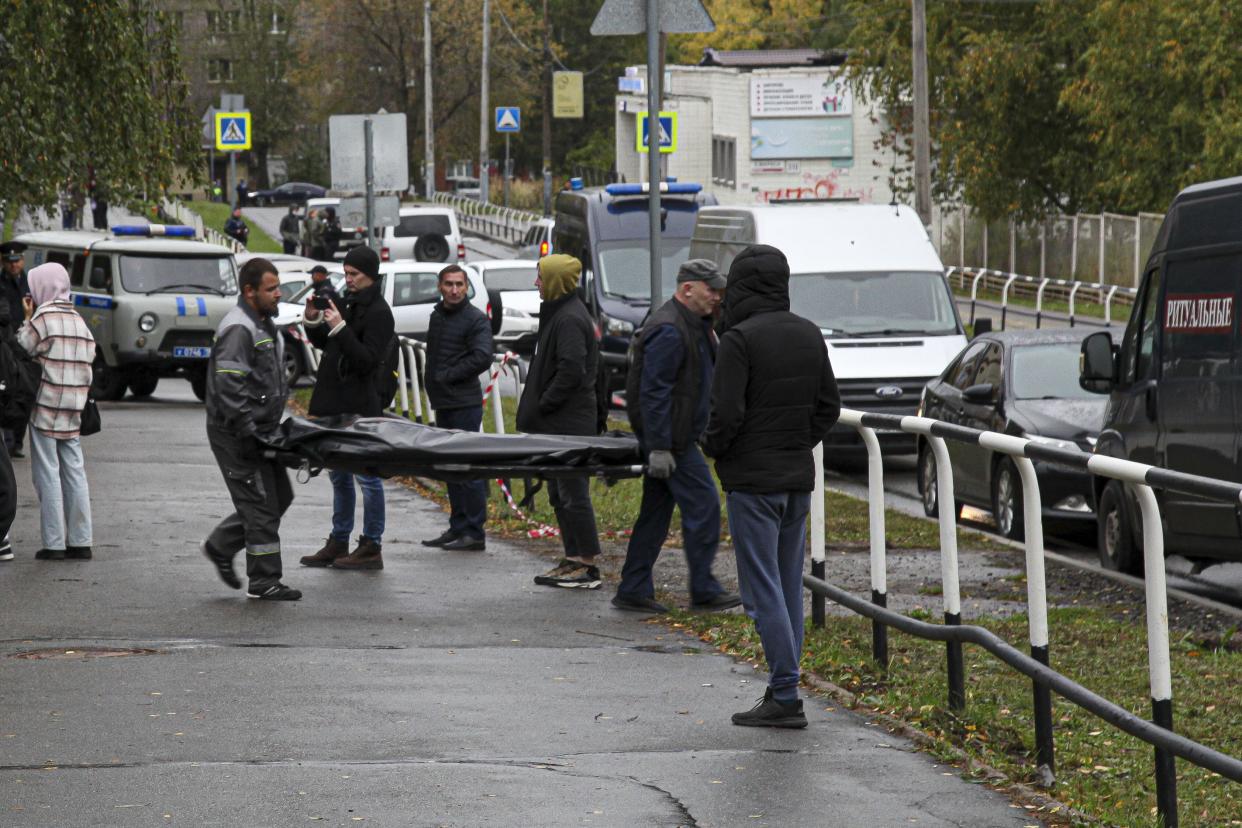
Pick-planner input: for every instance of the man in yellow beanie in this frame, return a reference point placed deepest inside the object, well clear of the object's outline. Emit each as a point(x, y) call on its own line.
point(559, 398)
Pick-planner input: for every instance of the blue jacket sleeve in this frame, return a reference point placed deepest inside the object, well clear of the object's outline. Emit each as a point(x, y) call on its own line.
point(662, 357)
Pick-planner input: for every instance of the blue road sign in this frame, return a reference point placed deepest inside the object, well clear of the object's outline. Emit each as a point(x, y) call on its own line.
point(232, 131)
point(508, 119)
point(668, 132)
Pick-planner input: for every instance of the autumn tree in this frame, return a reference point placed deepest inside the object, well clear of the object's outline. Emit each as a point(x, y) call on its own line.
point(91, 86)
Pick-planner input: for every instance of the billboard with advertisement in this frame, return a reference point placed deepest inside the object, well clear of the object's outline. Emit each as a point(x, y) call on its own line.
point(772, 138)
point(799, 96)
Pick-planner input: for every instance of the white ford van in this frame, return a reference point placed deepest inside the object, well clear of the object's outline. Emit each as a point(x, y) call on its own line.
point(868, 275)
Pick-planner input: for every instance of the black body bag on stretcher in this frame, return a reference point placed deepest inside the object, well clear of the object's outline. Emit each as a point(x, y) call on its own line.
point(391, 446)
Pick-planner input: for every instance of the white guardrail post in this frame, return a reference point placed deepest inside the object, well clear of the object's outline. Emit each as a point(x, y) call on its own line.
point(1138, 479)
point(818, 540)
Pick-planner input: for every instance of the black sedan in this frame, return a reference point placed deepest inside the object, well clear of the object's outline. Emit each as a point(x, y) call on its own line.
point(1023, 383)
point(291, 192)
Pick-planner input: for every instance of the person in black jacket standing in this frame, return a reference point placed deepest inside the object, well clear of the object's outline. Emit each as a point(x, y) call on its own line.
point(773, 399)
point(459, 348)
point(559, 398)
point(354, 339)
point(668, 394)
point(14, 290)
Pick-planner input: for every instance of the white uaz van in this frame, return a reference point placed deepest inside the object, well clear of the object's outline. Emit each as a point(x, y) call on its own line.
point(869, 276)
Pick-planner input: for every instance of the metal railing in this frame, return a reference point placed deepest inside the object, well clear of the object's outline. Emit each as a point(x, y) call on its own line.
point(506, 224)
point(184, 215)
point(1105, 294)
point(411, 399)
point(1139, 478)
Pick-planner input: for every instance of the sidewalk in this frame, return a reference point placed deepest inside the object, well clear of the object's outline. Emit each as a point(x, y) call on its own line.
point(446, 690)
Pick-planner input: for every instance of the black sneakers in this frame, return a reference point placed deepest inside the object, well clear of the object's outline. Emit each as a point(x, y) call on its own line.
point(223, 564)
point(632, 603)
point(6, 550)
point(78, 553)
point(50, 555)
point(717, 603)
point(447, 537)
point(571, 575)
point(772, 713)
point(274, 592)
point(465, 543)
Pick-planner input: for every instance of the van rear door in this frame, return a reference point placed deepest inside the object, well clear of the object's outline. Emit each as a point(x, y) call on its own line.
point(1199, 385)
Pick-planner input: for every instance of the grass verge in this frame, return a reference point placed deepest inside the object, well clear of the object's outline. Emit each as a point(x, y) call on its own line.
point(1101, 771)
point(215, 214)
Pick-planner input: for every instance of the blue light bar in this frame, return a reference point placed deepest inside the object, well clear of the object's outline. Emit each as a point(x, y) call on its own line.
point(575, 183)
point(642, 189)
point(172, 230)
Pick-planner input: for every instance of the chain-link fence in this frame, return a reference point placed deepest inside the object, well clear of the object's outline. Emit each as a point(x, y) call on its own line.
point(1107, 248)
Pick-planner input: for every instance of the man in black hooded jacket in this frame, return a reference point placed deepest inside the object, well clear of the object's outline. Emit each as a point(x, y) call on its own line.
point(355, 333)
point(773, 399)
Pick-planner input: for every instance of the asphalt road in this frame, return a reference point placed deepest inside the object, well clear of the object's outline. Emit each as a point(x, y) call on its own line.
point(445, 690)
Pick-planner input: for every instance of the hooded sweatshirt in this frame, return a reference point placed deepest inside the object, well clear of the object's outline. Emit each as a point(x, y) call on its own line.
point(58, 338)
point(559, 397)
point(774, 396)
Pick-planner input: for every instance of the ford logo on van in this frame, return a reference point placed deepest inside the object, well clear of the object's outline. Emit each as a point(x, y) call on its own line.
point(889, 392)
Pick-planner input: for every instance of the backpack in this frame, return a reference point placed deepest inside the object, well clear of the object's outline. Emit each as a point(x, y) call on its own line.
point(387, 373)
point(20, 376)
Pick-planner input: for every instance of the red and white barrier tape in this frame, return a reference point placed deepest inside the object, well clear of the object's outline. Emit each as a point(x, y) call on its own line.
point(541, 530)
point(491, 380)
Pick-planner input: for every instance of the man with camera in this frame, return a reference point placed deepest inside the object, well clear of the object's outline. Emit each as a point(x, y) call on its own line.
point(355, 333)
point(459, 348)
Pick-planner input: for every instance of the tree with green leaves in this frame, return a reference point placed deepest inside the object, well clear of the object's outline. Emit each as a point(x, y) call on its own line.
point(90, 87)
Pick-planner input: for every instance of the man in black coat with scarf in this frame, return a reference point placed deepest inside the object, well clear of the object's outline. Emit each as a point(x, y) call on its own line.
point(459, 348)
point(355, 333)
point(559, 398)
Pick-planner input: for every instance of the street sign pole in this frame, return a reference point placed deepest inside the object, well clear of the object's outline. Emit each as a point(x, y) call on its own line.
point(368, 138)
point(653, 145)
point(506, 170)
point(232, 177)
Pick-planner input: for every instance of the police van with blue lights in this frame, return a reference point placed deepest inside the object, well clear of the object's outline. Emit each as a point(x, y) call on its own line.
point(152, 296)
point(607, 229)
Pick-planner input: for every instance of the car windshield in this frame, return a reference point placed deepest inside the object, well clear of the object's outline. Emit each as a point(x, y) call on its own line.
point(292, 286)
point(510, 278)
point(1047, 372)
point(410, 226)
point(178, 274)
point(874, 304)
point(625, 267)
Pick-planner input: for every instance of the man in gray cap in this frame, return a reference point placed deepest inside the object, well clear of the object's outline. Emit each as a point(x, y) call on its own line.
point(668, 396)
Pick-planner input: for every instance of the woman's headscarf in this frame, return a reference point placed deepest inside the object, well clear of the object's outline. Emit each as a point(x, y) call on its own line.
point(48, 282)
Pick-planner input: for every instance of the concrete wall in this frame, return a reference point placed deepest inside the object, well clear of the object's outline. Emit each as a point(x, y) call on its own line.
point(716, 101)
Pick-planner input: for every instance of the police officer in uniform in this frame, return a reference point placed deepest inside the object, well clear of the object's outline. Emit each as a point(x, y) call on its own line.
point(13, 291)
point(246, 393)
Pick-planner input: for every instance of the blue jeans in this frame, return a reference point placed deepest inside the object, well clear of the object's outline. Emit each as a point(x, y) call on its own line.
point(59, 474)
point(343, 500)
point(769, 538)
point(691, 490)
point(467, 499)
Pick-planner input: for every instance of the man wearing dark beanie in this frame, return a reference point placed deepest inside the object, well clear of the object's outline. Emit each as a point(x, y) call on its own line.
point(355, 333)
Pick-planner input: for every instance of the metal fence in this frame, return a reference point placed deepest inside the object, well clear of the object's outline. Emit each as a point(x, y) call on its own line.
point(1011, 285)
point(411, 399)
point(1139, 478)
point(506, 224)
point(1105, 248)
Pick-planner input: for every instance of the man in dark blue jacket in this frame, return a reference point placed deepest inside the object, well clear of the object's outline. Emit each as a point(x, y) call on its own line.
point(668, 394)
point(773, 400)
point(459, 348)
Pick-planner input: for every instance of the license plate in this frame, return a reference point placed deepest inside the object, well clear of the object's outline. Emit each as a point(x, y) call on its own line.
point(191, 352)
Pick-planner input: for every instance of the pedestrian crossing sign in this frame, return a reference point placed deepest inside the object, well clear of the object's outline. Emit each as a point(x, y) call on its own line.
point(508, 119)
point(667, 135)
point(232, 131)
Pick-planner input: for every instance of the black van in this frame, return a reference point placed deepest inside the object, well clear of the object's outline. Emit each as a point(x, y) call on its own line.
point(1175, 381)
point(606, 228)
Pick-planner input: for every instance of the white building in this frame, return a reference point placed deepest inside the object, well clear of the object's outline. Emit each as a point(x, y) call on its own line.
point(762, 126)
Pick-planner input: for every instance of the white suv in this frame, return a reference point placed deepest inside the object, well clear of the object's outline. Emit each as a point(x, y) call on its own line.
point(424, 234)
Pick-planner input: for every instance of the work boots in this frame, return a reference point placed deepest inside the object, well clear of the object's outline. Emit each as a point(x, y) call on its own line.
point(365, 556)
point(333, 550)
